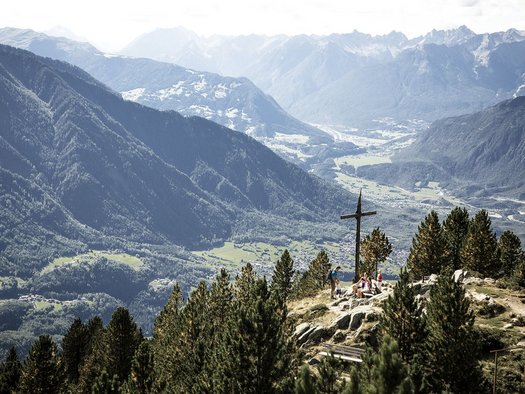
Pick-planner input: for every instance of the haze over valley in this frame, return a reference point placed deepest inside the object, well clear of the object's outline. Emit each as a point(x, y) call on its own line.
point(126, 172)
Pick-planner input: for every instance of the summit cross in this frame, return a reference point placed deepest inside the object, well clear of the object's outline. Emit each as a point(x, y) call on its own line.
point(357, 215)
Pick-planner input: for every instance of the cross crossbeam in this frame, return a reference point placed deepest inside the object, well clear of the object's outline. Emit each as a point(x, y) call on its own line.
point(358, 215)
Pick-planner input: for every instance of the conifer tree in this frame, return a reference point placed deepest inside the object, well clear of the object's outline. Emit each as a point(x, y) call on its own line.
point(427, 253)
point(167, 340)
point(402, 319)
point(141, 379)
point(382, 372)
point(196, 334)
point(92, 365)
point(244, 283)
point(42, 372)
point(282, 277)
point(510, 253)
point(314, 278)
point(256, 355)
point(305, 383)
point(450, 351)
point(122, 339)
point(375, 248)
point(455, 229)
point(480, 252)
point(74, 347)
point(10, 371)
point(106, 384)
point(329, 380)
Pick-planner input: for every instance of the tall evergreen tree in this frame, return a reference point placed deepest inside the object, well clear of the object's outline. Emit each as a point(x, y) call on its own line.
point(402, 319)
point(141, 379)
point(510, 253)
point(42, 372)
point(196, 334)
point(427, 253)
point(480, 252)
point(92, 365)
point(375, 248)
point(455, 229)
point(282, 277)
point(256, 354)
point(314, 278)
point(122, 339)
point(244, 283)
point(167, 343)
point(450, 348)
point(74, 347)
point(10, 371)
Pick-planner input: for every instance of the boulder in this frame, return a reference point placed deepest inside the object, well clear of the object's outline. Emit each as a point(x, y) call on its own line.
point(301, 329)
point(318, 334)
point(339, 336)
point(342, 321)
point(460, 275)
point(356, 320)
point(305, 336)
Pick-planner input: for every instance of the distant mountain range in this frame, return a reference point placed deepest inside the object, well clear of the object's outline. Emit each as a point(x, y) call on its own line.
point(233, 102)
point(352, 79)
point(81, 166)
point(480, 154)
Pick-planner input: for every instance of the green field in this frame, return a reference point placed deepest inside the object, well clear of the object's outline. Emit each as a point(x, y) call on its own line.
point(234, 255)
point(44, 304)
point(358, 161)
point(92, 256)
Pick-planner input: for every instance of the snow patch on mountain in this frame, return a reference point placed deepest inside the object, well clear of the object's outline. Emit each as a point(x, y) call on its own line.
point(133, 94)
point(292, 138)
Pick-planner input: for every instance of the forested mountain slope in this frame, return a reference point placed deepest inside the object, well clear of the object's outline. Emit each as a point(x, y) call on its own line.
point(80, 165)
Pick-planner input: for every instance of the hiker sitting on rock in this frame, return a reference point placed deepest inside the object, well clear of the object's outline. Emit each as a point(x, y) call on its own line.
point(364, 285)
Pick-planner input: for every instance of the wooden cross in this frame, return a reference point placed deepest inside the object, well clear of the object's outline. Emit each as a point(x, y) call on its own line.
point(358, 213)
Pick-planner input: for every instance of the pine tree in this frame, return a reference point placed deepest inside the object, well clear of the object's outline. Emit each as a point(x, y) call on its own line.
point(167, 340)
point(450, 351)
point(244, 283)
point(257, 353)
point(10, 372)
point(141, 379)
point(402, 319)
point(455, 229)
point(305, 383)
point(195, 335)
point(92, 365)
point(42, 372)
point(480, 252)
point(106, 384)
point(282, 277)
point(382, 372)
point(74, 346)
point(375, 248)
point(122, 339)
point(510, 253)
point(427, 253)
point(314, 278)
point(329, 379)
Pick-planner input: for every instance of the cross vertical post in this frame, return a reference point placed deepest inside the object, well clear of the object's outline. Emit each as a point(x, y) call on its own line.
point(357, 215)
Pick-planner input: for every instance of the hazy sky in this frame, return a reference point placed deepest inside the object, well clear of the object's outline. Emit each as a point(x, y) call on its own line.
point(111, 24)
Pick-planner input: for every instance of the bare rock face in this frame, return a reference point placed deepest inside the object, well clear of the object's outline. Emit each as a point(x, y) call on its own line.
point(305, 336)
point(301, 329)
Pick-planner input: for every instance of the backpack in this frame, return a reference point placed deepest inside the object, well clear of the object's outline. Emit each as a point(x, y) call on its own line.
point(329, 276)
